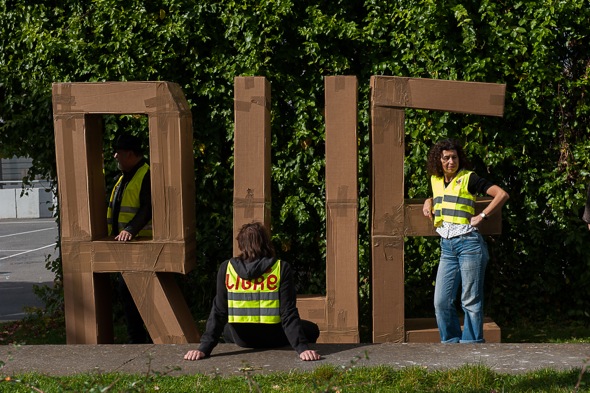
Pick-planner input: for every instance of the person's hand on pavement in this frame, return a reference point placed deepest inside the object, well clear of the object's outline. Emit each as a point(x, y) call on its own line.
point(309, 355)
point(194, 355)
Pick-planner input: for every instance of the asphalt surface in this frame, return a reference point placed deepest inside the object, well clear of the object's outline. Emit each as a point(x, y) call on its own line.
point(24, 246)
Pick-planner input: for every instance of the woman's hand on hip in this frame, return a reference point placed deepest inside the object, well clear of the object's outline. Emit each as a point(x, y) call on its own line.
point(427, 208)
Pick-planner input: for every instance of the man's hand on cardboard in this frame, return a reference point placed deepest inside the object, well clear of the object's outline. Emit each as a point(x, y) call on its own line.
point(124, 236)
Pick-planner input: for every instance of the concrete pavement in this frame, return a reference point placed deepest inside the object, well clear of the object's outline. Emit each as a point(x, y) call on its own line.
point(231, 360)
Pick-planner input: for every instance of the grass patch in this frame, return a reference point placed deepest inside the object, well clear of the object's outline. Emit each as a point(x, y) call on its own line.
point(41, 329)
point(35, 329)
point(38, 328)
point(547, 332)
point(323, 379)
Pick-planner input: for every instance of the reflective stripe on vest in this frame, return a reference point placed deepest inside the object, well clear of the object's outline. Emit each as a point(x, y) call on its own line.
point(453, 203)
point(130, 203)
point(254, 301)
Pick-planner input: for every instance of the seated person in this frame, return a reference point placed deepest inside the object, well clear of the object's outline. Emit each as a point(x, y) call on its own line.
point(255, 305)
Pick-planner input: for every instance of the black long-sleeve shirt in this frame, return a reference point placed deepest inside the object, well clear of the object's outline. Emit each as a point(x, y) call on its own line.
point(478, 185)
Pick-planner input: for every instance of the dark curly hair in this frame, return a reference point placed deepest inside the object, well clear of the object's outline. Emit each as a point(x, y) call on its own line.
point(254, 242)
point(434, 165)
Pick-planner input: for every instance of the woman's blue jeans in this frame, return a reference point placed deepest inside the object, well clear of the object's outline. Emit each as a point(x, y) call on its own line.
point(463, 261)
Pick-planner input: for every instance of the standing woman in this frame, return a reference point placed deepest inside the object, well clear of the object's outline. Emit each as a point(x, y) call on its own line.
point(464, 253)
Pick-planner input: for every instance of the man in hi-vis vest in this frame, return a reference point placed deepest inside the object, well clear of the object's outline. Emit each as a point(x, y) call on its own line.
point(129, 216)
point(255, 305)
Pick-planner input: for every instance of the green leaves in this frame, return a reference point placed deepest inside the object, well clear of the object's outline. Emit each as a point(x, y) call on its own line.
point(539, 151)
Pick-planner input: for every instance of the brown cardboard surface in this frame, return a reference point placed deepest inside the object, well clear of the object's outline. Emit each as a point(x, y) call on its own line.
point(172, 166)
point(144, 97)
point(252, 163)
point(443, 95)
point(140, 255)
point(72, 164)
point(313, 308)
point(341, 209)
point(387, 221)
point(86, 251)
point(388, 288)
point(162, 307)
point(424, 330)
point(387, 196)
point(88, 311)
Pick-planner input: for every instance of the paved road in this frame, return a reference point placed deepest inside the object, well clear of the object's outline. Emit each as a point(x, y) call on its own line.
point(24, 246)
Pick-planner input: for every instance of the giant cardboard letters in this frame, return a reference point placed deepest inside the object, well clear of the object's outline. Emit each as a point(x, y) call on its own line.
point(87, 252)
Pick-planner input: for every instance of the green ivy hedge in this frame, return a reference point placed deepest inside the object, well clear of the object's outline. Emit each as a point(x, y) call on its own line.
point(539, 151)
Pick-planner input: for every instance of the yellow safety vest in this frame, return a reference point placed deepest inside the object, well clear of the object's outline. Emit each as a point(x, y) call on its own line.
point(129, 203)
point(453, 203)
point(254, 301)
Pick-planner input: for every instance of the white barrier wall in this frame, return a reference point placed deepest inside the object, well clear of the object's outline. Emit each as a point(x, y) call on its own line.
point(34, 204)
